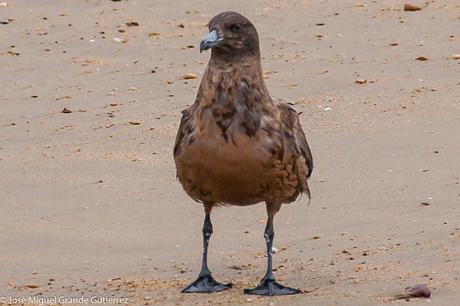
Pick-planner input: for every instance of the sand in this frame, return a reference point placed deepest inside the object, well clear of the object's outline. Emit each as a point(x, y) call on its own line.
point(89, 201)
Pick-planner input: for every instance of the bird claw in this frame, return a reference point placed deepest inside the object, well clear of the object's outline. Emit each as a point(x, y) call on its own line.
point(206, 284)
point(271, 287)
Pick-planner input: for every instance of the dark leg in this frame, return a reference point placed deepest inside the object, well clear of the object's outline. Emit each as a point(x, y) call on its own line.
point(205, 283)
point(268, 285)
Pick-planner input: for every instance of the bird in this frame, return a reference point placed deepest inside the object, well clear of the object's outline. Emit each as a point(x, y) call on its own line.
point(236, 146)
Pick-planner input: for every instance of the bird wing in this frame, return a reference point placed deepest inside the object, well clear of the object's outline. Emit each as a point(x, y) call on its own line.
point(290, 120)
point(184, 128)
point(301, 142)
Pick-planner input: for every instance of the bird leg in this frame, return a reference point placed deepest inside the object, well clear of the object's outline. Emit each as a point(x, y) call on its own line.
point(205, 283)
point(268, 285)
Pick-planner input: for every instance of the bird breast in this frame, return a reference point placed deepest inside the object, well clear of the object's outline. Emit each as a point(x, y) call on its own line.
point(231, 147)
point(223, 163)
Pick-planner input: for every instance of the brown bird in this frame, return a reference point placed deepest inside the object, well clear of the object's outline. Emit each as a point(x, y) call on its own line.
point(236, 146)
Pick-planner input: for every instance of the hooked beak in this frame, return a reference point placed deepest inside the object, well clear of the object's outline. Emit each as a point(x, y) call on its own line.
point(210, 40)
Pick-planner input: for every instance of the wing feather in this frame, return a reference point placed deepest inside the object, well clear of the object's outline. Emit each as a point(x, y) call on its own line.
point(183, 129)
point(290, 120)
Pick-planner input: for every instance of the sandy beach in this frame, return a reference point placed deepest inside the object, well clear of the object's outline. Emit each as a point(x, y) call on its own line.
point(90, 102)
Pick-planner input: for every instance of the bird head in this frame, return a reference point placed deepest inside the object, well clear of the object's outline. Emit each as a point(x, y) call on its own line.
point(231, 35)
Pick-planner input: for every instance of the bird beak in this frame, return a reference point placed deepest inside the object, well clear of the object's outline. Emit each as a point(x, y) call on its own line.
point(211, 40)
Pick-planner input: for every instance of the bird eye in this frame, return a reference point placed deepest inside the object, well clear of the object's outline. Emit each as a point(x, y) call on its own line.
point(235, 27)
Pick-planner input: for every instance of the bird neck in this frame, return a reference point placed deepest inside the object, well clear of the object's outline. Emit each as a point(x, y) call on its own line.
point(233, 85)
point(222, 60)
point(235, 55)
point(224, 73)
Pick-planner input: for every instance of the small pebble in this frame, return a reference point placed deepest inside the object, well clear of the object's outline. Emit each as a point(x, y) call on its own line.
point(411, 8)
point(31, 286)
point(189, 76)
point(132, 24)
point(417, 291)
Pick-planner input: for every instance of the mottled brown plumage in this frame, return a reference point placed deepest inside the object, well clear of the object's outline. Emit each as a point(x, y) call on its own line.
point(235, 145)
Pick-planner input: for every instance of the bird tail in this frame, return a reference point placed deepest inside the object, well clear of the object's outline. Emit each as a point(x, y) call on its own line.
point(302, 189)
point(307, 191)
